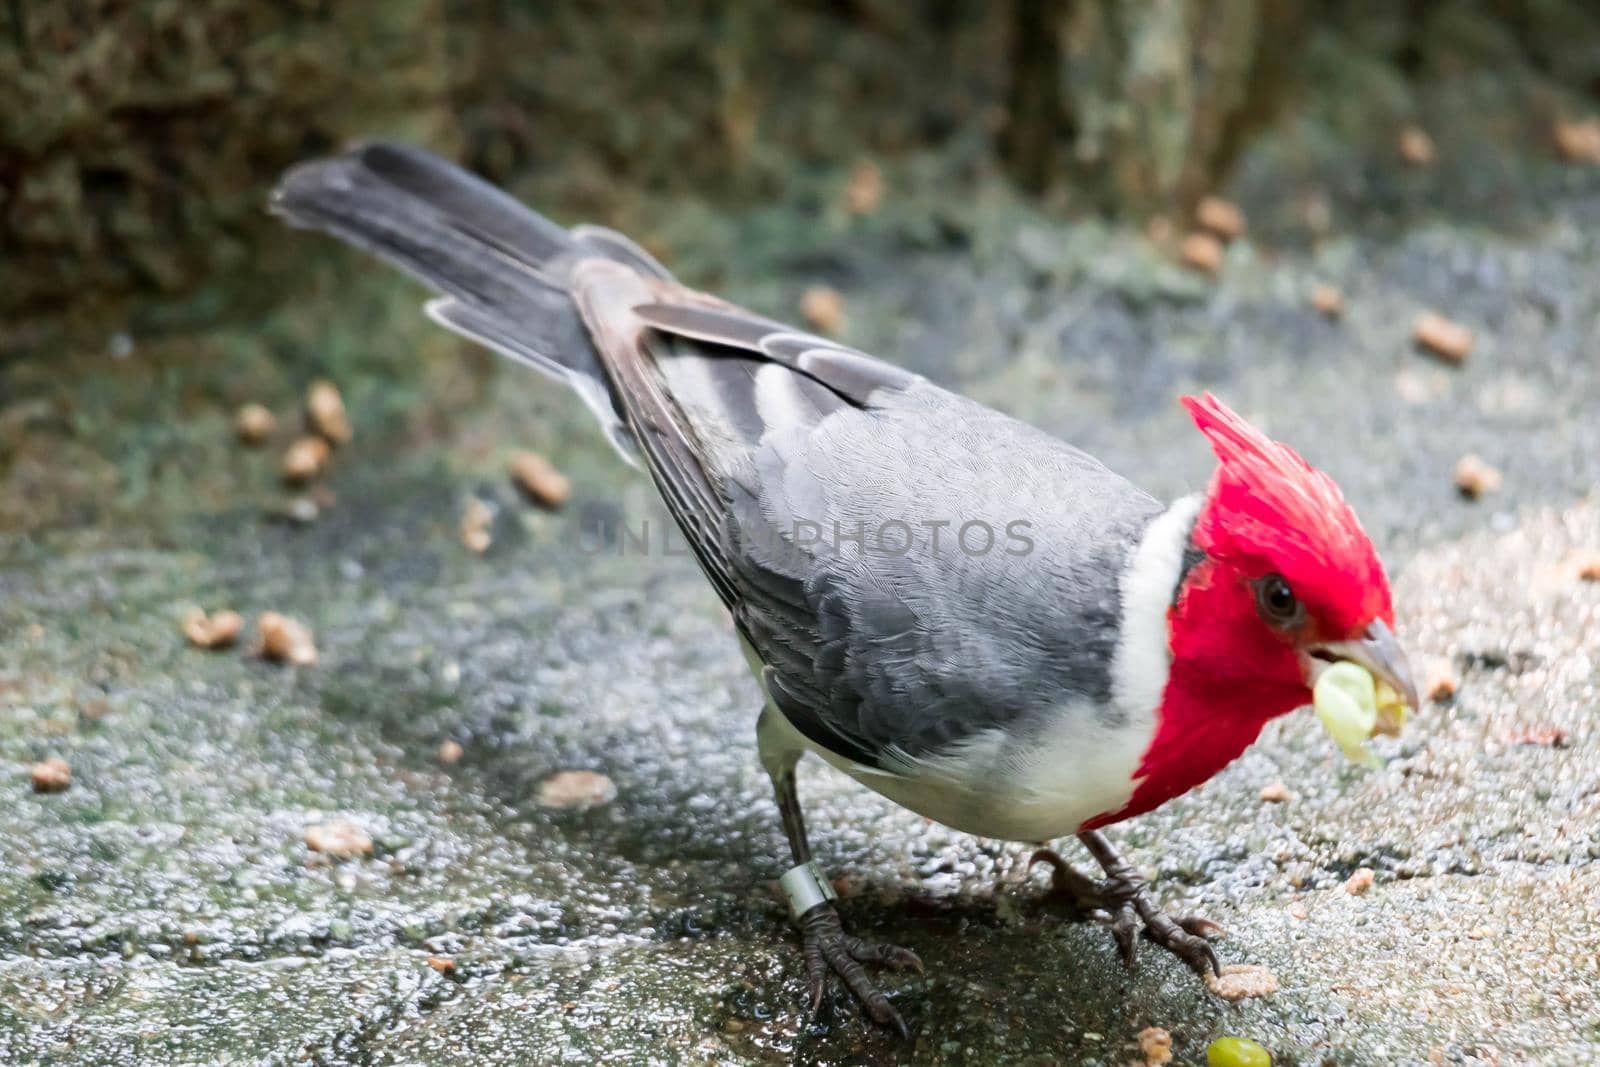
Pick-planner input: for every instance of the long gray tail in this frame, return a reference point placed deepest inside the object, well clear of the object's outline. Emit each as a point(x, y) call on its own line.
point(502, 268)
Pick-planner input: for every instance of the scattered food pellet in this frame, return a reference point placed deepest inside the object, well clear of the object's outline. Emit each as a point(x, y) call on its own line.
point(1222, 217)
point(1588, 568)
point(339, 839)
point(286, 640)
point(1540, 736)
point(823, 309)
point(325, 412)
point(476, 519)
point(1440, 681)
point(442, 964)
point(1274, 793)
point(1416, 147)
point(1448, 340)
point(219, 630)
point(576, 789)
point(450, 752)
point(1474, 477)
point(864, 191)
point(1328, 300)
point(1155, 1045)
point(1201, 251)
point(1578, 140)
point(539, 479)
point(1240, 981)
point(1237, 1052)
point(1359, 882)
point(50, 776)
point(253, 424)
point(304, 460)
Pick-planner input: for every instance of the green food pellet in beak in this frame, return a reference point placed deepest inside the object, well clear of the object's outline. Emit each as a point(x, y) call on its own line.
point(1237, 1052)
point(1392, 711)
point(1346, 699)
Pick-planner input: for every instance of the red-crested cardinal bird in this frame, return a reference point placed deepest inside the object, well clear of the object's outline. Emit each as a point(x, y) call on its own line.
point(977, 620)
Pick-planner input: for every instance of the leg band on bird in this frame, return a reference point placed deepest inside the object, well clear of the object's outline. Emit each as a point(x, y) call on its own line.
point(805, 886)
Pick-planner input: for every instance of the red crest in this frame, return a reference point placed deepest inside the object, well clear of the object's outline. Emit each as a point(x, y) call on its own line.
point(1269, 511)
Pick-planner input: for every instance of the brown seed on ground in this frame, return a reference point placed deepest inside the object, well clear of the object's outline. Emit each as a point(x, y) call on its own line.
point(1578, 140)
point(539, 479)
point(1328, 300)
point(823, 309)
point(1274, 793)
point(1474, 477)
point(1588, 567)
point(450, 752)
point(442, 964)
point(1439, 683)
point(325, 412)
point(1201, 251)
point(286, 640)
point(1240, 981)
point(1359, 882)
point(476, 518)
point(304, 460)
point(1537, 736)
point(339, 839)
point(576, 789)
point(1416, 147)
point(1222, 217)
point(253, 424)
point(864, 192)
point(50, 776)
point(213, 631)
point(1450, 341)
point(1155, 1045)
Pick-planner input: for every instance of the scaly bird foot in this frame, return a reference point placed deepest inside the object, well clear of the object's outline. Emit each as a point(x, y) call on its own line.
point(1121, 902)
point(828, 947)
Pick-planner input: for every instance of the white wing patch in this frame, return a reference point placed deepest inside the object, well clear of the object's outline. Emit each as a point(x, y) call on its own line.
point(779, 401)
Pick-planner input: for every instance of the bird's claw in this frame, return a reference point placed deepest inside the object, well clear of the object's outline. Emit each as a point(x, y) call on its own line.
point(1185, 938)
point(828, 947)
point(1082, 895)
point(1121, 902)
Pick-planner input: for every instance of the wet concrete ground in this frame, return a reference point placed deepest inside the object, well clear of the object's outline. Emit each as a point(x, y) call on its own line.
point(166, 910)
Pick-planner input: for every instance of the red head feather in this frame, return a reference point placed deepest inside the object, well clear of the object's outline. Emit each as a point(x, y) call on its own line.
point(1268, 511)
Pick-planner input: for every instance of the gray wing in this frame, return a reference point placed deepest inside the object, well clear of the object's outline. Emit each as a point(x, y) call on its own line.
point(911, 566)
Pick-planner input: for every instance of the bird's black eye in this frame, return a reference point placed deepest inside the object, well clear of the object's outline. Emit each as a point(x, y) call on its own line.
point(1277, 603)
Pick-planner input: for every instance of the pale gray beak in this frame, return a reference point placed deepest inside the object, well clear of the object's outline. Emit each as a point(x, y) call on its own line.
point(1378, 651)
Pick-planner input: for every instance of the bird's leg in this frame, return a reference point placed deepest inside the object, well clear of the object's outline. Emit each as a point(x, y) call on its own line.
point(1124, 900)
point(811, 896)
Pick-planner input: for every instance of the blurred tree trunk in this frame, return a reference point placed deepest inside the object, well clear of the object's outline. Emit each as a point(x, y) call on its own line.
point(1132, 104)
